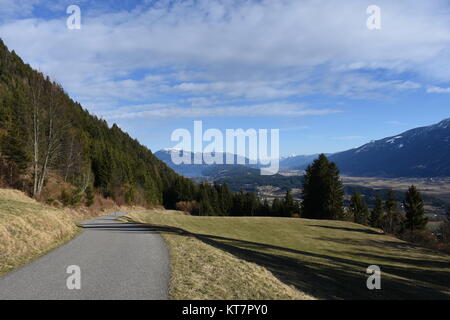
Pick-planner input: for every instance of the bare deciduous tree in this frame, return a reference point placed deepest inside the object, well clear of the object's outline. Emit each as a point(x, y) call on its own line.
point(36, 83)
point(48, 130)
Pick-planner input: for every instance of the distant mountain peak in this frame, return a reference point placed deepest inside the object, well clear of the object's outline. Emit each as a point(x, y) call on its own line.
point(444, 124)
point(419, 152)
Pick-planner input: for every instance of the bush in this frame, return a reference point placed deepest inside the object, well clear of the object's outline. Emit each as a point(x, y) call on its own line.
point(346, 215)
point(191, 207)
point(444, 231)
point(65, 198)
point(50, 201)
point(423, 238)
point(89, 196)
point(76, 197)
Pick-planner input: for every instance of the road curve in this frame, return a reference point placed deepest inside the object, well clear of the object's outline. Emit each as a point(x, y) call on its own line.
point(117, 261)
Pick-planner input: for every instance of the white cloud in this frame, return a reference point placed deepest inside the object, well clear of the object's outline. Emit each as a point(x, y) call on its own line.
point(435, 89)
point(174, 111)
point(16, 8)
point(234, 50)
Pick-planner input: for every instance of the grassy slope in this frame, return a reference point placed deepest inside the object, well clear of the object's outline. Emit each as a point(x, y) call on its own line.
point(324, 259)
point(29, 229)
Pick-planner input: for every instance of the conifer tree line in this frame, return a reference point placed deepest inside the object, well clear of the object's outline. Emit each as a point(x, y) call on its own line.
point(323, 198)
point(219, 200)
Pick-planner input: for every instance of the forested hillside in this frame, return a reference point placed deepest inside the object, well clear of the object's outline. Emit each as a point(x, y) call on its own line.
point(43, 131)
point(45, 135)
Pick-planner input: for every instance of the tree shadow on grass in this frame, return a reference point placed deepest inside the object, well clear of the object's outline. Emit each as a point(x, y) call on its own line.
point(324, 276)
point(368, 231)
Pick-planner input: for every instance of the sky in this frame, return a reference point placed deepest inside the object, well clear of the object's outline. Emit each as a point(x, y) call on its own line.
point(311, 68)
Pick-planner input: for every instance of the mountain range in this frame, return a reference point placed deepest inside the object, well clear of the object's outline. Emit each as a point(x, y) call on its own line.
point(197, 170)
point(419, 152)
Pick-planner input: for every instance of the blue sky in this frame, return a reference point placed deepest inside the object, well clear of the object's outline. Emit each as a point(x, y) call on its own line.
point(310, 68)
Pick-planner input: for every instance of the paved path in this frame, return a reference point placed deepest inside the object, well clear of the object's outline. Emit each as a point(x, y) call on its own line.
point(116, 260)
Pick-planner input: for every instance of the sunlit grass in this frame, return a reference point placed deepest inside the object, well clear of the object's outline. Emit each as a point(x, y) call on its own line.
point(324, 259)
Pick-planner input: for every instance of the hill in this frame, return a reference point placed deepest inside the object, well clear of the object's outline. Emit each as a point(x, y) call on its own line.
point(198, 170)
point(319, 258)
point(238, 177)
point(249, 179)
point(298, 162)
point(420, 152)
point(46, 137)
point(44, 133)
point(29, 229)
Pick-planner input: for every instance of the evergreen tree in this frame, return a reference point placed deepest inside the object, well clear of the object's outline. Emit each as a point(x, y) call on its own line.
point(89, 196)
point(237, 208)
point(250, 204)
point(289, 205)
point(377, 213)
point(323, 195)
point(392, 220)
point(13, 149)
point(415, 213)
point(358, 208)
point(264, 209)
point(277, 208)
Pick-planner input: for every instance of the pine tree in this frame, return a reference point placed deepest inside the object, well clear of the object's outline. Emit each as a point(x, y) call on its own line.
point(277, 208)
point(377, 213)
point(323, 195)
point(13, 149)
point(237, 208)
point(358, 208)
point(415, 213)
point(264, 209)
point(392, 220)
point(289, 205)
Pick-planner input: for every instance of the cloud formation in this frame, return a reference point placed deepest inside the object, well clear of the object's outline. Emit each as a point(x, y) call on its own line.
point(202, 55)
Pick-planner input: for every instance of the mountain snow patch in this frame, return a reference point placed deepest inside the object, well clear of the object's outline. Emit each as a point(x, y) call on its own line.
point(392, 140)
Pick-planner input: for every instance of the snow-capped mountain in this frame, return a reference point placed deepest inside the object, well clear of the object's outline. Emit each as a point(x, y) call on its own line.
point(191, 169)
point(419, 152)
point(298, 162)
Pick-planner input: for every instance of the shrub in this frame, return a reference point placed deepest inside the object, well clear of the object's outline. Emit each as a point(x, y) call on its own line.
point(191, 207)
point(89, 193)
point(65, 198)
point(423, 238)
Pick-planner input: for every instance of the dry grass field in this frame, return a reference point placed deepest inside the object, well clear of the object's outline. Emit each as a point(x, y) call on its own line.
point(286, 258)
point(29, 229)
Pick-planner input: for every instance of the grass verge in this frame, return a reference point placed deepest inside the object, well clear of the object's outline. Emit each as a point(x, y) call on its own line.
point(201, 271)
point(283, 258)
point(29, 229)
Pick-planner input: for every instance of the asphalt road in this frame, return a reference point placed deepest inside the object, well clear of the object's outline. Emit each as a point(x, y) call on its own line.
point(116, 261)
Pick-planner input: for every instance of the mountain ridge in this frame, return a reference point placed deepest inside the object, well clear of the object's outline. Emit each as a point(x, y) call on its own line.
point(418, 152)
